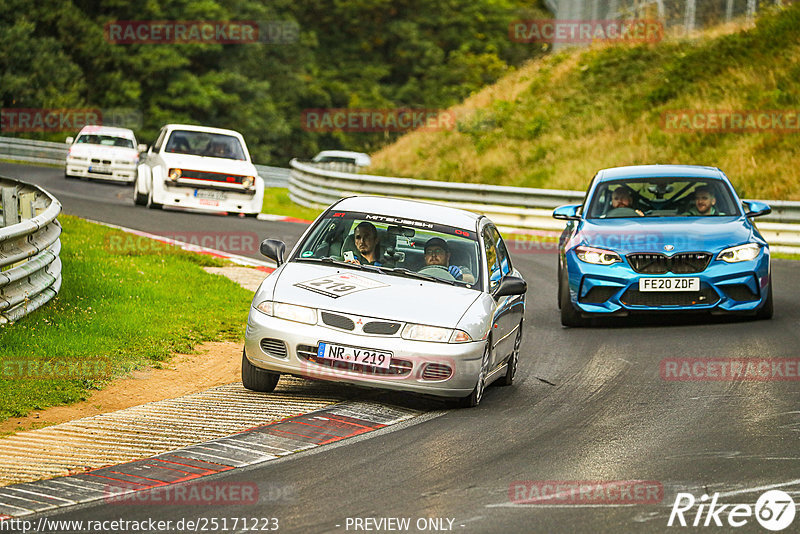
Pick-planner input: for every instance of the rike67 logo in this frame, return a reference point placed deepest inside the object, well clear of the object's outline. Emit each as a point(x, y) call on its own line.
point(774, 510)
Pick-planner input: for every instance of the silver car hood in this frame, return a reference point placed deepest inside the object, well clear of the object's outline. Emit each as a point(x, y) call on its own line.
point(396, 297)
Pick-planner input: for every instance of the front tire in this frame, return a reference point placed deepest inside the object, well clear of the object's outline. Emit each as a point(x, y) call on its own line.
point(150, 204)
point(766, 310)
point(256, 379)
point(474, 398)
point(569, 315)
point(513, 361)
point(140, 199)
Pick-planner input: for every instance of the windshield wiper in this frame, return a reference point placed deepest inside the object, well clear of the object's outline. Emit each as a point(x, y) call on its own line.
point(415, 274)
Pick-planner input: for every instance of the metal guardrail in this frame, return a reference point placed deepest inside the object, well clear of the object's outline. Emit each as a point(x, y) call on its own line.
point(30, 269)
point(33, 151)
point(273, 176)
point(512, 207)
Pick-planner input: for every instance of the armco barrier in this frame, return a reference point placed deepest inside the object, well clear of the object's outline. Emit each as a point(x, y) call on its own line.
point(514, 207)
point(30, 269)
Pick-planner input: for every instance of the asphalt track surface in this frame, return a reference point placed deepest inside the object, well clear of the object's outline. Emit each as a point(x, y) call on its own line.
point(587, 405)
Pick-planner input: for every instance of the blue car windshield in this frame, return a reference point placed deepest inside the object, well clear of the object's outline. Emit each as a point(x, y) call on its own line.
point(662, 197)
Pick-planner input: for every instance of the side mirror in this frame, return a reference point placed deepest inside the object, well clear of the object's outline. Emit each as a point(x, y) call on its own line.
point(69, 140)
point(754, 208)
point(511, 285)
point(274, 250)
point(567, 213)
point(142, 148)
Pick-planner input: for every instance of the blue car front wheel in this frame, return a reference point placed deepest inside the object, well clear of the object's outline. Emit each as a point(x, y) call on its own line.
point(570, 316)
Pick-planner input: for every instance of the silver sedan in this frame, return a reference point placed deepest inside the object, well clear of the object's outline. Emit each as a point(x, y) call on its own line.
point(392, 294)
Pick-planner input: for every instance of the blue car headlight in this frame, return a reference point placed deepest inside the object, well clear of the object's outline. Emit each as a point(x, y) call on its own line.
point(746, 252)
point(598, 256)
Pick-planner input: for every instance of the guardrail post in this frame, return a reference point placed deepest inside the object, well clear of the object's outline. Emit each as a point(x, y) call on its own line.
point(9, 202)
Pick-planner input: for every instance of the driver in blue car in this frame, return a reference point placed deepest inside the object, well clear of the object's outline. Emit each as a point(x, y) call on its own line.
point(437, 252)
point(704, 202)
point(622, 197)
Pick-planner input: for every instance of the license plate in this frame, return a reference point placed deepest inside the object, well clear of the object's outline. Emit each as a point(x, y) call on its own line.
point(669, 284)
point(343, 353)
point(210, 194)
point(99, 169)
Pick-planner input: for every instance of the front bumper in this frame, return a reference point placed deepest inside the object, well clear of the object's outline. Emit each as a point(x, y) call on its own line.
point(192, 197)
point(724, 288)
point(291, 346)
point(113, 172)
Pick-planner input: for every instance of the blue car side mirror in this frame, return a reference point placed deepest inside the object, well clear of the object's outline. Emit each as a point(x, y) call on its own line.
point(567, 213)
point(754, 208)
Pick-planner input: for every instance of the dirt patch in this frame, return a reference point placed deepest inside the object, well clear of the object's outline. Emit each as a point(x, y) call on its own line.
point(215, 364)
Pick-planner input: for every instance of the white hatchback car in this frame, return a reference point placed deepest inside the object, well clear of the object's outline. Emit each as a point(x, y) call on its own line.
point(103, 152)
point(435, 308)
point(201, 168)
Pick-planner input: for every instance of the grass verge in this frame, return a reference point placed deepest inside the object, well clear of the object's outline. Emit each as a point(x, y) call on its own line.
point(116, 311)
point(277, 202)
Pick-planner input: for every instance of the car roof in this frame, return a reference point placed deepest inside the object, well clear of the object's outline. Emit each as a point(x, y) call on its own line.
point(654, 171)
point(357, 156)
point(107, 130)
point(206, 129)
point(412, 209)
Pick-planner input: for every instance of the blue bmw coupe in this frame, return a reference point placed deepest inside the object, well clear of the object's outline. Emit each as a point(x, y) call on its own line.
point(662, 238)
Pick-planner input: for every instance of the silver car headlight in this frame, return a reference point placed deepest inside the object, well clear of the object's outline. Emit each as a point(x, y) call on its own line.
point(290, 312)
point(436, 334)
point(747, 252)
point(598, 256)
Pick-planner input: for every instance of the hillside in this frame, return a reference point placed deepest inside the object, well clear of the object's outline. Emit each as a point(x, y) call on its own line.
point(557, 120)
point(382, 54)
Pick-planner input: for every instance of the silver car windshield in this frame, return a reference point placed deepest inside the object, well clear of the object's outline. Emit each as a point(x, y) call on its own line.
point(204, 144)
point(662, 197)
point(395, 246)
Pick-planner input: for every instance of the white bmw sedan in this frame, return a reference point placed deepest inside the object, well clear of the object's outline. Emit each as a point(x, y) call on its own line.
point(104, 153)
point(391, 294)
point(200, 168)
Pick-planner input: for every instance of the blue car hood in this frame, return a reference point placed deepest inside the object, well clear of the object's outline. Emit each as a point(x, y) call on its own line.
point(684, 234)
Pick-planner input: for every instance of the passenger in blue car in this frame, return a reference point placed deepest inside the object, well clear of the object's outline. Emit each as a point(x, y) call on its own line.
point(704, 202)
